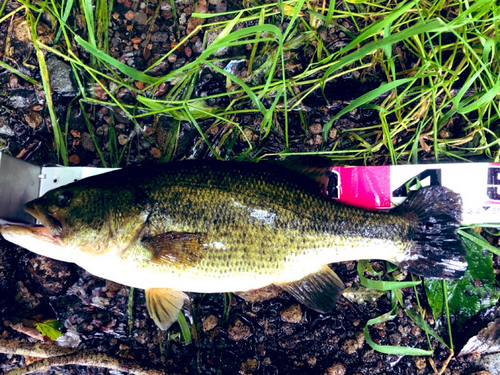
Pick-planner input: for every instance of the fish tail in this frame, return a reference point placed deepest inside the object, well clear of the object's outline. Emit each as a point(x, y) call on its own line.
point(435, 249)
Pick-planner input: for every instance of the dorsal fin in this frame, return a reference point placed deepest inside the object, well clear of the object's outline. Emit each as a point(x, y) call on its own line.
point(316, 168)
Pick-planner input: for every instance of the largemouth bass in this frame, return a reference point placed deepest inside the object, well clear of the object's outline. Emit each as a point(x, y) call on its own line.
point(215, 227)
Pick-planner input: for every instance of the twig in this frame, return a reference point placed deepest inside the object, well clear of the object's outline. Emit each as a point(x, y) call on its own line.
point(58, 356)
point(33, 349)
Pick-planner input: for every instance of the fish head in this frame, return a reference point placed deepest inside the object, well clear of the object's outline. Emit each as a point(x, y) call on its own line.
point(83, 221)
point(74, 215)
point(72, 222)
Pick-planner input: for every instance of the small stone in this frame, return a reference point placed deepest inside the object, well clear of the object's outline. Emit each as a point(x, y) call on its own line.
point(247, 134)
point(129, 15)
point(99, 92)
point(122, 139)
point(322, 33)
point(316, 128)
point(239, 331)
point(136, 40)
point(21, 98)
point(5, 129)
point(210, 322)
point(317, 139)
point(141, 18)
point(188, 52)
point(34, 119)
point(61, 77)
point(444, 134)
point(75, 133)
point(156, 153)
point(102, 130)
point(87, 142)
point(260, 295)
point(292, 314)
point(395, 339)
point(53, 276)
point(172, 58)
point(162, 89)
point(350, 346)
point(420, 364)
point(249, 366)
point(312, 361)
point(160, 37)
point(74, 159)
point(336, 369)
point(332, 134)
point(146, 53)
point(416, 331)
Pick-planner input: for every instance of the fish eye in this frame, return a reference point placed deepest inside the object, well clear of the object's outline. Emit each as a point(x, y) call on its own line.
point(64, 198)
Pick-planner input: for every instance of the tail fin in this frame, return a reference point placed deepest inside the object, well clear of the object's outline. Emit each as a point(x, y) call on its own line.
point(436, 250)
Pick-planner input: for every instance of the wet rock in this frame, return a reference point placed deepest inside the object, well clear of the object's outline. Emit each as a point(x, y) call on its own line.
point(395, 339)
point(332, 134)
point(21, 98)
point(5, 129)
point(26, 297)
point(261, 295)
point(61, 77)
point(315, 140)
point(249, 366)
point(102, 130)
point(53, 276)
point(172, 58)
point(316, 128)
point(336, 369)
point(420, 364)
point(239, 330)
point(209, 323)
point(155, 152)
point(160, 37)
point(34, 119)
point(350, 346)
point(74, 159)
point(122, 139)
point(87, 142)
point(121, 116)
point(292, 313)
point(180, 62)
point(141, 18)
point(129, 16)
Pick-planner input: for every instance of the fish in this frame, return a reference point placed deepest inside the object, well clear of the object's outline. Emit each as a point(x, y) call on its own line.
point(225, 226)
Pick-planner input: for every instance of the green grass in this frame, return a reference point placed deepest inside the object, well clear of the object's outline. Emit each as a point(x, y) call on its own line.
point(443, 51)
point(437, 64)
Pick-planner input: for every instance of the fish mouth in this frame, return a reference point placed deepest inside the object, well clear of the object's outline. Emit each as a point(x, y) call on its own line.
point(36, 239)
point(53, 225)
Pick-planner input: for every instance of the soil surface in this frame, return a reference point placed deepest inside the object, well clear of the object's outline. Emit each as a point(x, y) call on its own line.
point(259, 333)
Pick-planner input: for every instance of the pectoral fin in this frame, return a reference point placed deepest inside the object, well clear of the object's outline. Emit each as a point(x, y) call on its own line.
point(164, 305)
point(176, 248)
point(319, 290)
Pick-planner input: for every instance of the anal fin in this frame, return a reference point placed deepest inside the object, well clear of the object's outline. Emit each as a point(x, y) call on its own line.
point(164, 305)
point(319, 290)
